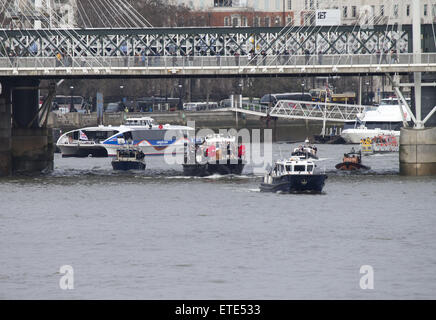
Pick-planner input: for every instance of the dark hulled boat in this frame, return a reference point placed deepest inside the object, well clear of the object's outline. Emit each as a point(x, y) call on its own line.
point(352, 161)
point(129, 159)
point(208, 169)
point(214, 154)
point(293, 175)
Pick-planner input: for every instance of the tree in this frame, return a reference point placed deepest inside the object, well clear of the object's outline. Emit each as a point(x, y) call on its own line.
point(142, 13)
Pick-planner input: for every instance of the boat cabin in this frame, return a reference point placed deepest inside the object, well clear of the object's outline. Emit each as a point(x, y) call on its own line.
point(293, 166)
point(352, 157)
point(129, 155)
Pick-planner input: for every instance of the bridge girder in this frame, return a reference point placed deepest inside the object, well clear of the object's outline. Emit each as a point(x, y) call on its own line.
point(209, 41)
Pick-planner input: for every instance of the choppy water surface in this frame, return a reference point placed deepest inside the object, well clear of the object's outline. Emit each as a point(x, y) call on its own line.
point(159, 235)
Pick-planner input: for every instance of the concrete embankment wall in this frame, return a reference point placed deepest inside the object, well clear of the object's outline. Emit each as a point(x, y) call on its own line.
point(282, 129)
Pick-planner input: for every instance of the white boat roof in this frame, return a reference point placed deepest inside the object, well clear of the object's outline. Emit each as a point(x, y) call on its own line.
point(219, 138)
point(295, 160)
point(386, 113)
point(140, 119)
point(99, 128)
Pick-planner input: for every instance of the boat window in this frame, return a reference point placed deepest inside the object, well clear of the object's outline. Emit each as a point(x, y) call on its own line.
point(128, 135)
point(384, 125)
point(310, 168)
point(149, 134)
point(299, 168)
point(289, 168)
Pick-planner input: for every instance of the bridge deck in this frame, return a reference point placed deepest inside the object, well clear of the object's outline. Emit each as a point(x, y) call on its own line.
point(213, 66)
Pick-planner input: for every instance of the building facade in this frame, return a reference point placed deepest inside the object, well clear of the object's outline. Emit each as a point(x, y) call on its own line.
point(265, 13)
point(40, 14)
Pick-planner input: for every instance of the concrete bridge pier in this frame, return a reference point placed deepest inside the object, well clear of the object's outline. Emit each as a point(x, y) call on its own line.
point(25, 147)
point(418, 152)
point(418, 145)
point(5, 131)
point(31, 145)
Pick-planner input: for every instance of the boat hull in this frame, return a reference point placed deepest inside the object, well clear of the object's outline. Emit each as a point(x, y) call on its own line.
point(208, 169)
point(148, 150)
point(128, 165)
point(351, 166)
point(295, 183)
point(83, 151)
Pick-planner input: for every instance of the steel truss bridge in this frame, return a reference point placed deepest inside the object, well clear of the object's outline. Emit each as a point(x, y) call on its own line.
point(168, 52)
point(305, 110)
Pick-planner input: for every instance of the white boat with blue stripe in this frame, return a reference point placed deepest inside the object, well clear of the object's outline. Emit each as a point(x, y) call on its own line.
point(152, 139)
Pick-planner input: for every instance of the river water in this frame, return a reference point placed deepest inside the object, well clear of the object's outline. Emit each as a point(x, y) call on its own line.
point(159, 235)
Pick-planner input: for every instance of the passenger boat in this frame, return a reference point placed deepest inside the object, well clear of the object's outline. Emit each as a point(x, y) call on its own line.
point(86, 142)
point(293, 175)
point(386, 119)
point(213, 154)
point(129, 159)
point(152, 139)
point(352, 161)
point(380, 144)
point(306, 151)
point(103, 141)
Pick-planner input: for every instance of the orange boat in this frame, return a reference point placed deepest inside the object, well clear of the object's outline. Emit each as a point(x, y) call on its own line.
point(352, 161)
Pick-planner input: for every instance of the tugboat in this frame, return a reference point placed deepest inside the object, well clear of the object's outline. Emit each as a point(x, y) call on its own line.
point(352, 161)
point(306, 151)
point(293, 175)
point(129, 159)
point(214, 154)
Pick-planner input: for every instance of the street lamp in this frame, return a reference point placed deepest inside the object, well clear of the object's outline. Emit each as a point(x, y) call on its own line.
point(367, 92)
point(240, 85)
point(71, 99)
point(121, 92)
point(302, 88)
point(180, 97)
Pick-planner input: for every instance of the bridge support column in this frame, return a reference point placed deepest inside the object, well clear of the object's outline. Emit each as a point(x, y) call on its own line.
point(418, 145)
point(5, 131)
point(31, 145)
point(418, 152)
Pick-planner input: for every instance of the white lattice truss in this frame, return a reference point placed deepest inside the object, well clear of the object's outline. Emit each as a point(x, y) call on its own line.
point(307, 110)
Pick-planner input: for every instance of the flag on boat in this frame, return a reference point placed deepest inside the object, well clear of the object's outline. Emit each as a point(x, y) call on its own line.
point(83, 136)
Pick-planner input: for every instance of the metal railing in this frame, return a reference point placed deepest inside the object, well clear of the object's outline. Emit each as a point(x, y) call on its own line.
point(219, 62)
